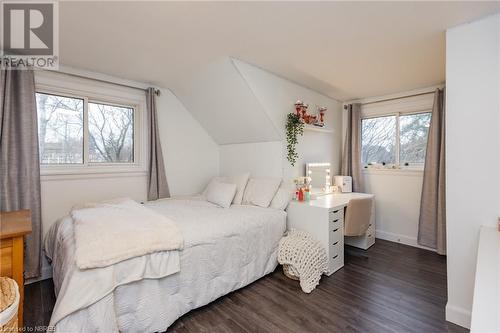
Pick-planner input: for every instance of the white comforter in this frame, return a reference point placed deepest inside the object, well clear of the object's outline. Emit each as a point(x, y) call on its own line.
point(224, 249)
point(110, 232)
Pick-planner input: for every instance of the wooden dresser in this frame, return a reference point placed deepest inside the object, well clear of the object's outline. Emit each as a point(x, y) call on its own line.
point(13, 227)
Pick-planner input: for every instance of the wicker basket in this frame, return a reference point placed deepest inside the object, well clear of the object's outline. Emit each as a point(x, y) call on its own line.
point(290, 272)
point(9, 304)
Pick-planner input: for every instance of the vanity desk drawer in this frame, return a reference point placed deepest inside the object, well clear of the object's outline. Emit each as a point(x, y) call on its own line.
point(336, 248)
point(336, 260)
point(336, 234)
point(336, 215)
point(335, 240)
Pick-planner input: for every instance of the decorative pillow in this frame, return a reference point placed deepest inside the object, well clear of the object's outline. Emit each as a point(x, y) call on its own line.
point(240, 181)
point(283, 196)
point(221, 194)
point(260, 191)
point(213, 180)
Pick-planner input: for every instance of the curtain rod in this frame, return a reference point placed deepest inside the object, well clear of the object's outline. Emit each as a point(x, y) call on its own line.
point(392, 99)
point(157, 91)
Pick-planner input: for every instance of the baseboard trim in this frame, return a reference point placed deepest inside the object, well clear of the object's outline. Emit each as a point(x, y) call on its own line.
point(46, 273)
point(398, 238)
point(458, 315)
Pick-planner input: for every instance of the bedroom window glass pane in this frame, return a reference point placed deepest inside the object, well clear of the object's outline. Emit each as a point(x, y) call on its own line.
point(60, 129)
point(378, 140)
point(111, 133)
point(413, 132)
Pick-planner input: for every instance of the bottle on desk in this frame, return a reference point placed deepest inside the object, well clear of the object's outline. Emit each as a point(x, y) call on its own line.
point(301, 194)
point(307, 195)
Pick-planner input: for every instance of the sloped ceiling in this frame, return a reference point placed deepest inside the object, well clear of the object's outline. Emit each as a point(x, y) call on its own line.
point(237, 102)
point(221, 100)
point(343, 49)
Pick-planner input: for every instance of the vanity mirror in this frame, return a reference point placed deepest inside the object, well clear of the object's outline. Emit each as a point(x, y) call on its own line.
point(320, 176)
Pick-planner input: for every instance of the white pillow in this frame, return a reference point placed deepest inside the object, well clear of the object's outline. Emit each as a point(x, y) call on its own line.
point(221, 194)
point(213, 180)
point(260, 191)
point(282, 198)
point(240, 181)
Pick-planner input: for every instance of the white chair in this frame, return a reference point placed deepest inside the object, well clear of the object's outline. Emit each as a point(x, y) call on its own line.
point(357, 216)
point(357, 220)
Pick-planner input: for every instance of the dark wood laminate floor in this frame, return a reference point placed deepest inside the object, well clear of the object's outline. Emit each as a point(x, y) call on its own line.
point(389, 288)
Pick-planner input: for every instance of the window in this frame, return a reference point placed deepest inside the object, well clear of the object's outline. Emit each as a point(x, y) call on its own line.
point(60, 129)
point(378, 137)
point(74, 130)
point(398, 140)
point(413, 131)
point(111, 133)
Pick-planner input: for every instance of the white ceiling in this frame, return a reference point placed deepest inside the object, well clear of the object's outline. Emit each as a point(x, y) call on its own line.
point(343, 49)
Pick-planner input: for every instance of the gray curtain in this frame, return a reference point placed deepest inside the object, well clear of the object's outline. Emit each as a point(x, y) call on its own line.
point(432, 221)
point(351, 158)
point(157, 180)
point(19, 160)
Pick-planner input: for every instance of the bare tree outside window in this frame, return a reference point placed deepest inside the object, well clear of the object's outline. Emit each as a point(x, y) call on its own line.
point(378, 140)
point(60, 129)
point(413, 132)
point(111, 133)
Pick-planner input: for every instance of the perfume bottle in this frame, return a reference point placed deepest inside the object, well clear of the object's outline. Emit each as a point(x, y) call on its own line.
point(301, 195)
point(307, 195)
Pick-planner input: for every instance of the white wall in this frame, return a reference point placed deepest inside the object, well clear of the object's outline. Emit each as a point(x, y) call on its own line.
point(472, 152)
point(191, 156)
point(191, 159)
point(397, 202)
point(277, 96)
point(262, 159)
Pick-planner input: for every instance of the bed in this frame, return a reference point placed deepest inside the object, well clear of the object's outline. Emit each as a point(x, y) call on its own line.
point(224, 250)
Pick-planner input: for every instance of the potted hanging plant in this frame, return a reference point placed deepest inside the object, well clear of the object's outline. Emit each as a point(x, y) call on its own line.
point(294, 128)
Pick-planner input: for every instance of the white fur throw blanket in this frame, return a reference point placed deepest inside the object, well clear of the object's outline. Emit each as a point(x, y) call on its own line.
point(110, 232)
point(303, 257)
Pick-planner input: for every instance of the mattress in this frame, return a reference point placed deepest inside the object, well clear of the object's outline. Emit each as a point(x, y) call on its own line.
point(224, 250)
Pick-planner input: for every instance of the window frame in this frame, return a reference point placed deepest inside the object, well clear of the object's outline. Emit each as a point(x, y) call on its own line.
point(42, 165)
point(113, 97)
point(415, 166)
point(87, 132)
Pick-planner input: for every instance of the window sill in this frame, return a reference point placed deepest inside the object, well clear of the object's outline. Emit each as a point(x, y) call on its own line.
point(79, 172)
point(389, 171)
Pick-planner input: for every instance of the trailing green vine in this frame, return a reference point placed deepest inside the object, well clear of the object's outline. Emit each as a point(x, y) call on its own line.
point(294, 128)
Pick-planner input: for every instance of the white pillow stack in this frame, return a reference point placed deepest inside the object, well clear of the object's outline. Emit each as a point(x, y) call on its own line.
point(240, 190)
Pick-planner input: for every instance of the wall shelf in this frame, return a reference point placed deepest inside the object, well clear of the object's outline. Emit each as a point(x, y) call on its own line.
point(313, 128)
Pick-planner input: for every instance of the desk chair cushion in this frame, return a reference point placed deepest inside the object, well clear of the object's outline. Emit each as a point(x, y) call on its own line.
point(357, 216)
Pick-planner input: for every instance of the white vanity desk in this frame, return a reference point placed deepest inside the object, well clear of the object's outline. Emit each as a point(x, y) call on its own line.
point(323, 218)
